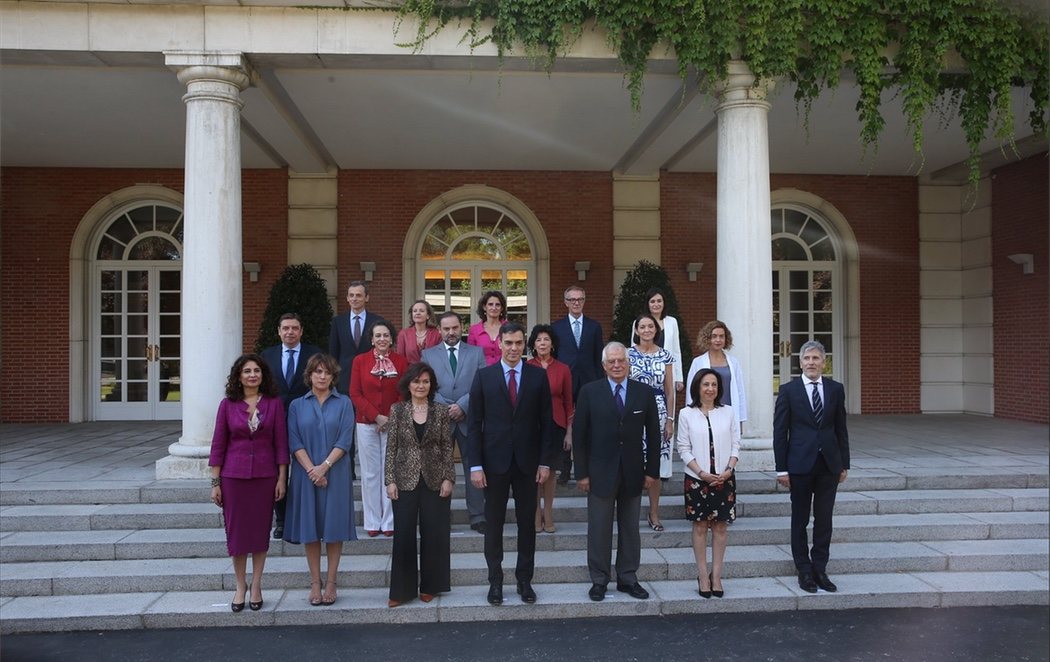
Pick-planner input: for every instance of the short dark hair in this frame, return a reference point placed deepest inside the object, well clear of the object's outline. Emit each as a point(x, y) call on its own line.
point(414, 372)
point(449, 313)
point(511, 327)
point(234, 389)
point(358, 283)
point(480, 310)
point(322, 359)
point(535, 333)
point(386, 325)
point(650, 293)
point(694, 388)
point(290, 316)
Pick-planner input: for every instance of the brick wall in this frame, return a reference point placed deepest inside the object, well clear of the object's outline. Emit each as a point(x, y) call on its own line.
point(1021, 317)
point(376, 208)
point(41, 208)
point(883, 213)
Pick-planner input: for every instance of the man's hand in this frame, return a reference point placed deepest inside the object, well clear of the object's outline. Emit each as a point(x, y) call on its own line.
point(455, 413)
point(477, 479)
point(784, 481)
point(584, 484)
point(542, 474)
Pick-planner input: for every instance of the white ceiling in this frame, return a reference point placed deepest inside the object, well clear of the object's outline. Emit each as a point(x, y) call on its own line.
point(416, 113)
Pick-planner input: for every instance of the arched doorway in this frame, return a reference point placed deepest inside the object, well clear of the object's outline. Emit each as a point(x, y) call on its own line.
point(135, 313)
point(814, 282)
point(474, 239)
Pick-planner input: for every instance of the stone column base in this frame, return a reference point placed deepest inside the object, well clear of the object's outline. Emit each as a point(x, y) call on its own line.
point(184, 462)
point(756, 455)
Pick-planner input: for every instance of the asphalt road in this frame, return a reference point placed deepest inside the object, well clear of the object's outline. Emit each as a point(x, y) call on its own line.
point(901, 635)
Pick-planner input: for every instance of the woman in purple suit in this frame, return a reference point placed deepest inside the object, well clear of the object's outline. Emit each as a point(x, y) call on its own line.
point(249, 467)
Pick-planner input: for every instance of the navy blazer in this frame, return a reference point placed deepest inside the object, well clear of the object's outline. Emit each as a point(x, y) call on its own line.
point(584, 361)
point(341, 343)
point(796, 436)
point(605, 443)
point(274, 357)
point(499, 433)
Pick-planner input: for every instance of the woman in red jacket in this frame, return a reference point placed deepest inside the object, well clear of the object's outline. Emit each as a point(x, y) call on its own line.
point(249, 468)
point(373, 389)
point(543, 345)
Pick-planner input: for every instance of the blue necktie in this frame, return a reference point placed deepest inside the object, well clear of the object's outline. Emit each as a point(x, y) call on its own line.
point(289, 369)
point(619, 398)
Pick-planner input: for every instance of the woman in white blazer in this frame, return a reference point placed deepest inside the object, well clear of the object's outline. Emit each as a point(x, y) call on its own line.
point(713, 341)
point(667, 335)
point(709, 445)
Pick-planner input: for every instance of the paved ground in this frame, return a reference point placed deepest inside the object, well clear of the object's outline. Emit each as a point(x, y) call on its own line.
point(902, 635)
point(127, 451)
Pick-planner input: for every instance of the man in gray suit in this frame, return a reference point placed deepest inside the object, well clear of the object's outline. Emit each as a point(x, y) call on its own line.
point(454, 380)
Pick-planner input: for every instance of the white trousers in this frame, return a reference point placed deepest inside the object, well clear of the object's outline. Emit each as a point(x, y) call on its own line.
point(371, 453)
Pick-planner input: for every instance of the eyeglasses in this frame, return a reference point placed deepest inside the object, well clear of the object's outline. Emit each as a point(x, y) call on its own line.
point(576, 299)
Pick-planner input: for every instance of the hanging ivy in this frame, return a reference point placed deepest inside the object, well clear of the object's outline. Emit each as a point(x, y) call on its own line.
point(958, 57)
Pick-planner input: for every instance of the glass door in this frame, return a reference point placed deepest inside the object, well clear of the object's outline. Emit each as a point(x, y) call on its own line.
point(459, 288)
point(803, 309)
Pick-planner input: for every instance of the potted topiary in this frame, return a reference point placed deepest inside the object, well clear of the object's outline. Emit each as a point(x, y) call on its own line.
point(301, 290)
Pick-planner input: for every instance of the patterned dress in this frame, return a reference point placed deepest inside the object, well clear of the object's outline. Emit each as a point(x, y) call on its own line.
point(704, 502)
point(651, 369)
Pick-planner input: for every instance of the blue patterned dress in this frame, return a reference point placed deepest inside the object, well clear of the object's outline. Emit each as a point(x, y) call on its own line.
point(651, 370)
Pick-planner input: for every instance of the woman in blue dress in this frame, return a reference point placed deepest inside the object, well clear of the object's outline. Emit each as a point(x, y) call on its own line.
point(320, 507)
point(653, 365)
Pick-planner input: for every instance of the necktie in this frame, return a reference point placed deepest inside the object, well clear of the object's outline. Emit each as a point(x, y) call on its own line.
point(452, 359)
point(512, 388)
point(619, 398)
point(818, 406)
point(289, 368)
point(357, 329)
point(576, 331)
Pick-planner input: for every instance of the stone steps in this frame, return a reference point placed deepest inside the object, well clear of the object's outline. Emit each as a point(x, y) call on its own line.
point(181, 515)
point(552, 567)
point(117, 544)
point(210, 608)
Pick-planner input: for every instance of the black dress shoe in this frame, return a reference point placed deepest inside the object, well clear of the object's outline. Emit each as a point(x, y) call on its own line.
point(597, 592)
point(495, 594)
point(528, 596)
point(806, 583)
point(480, 527)
point(821, 580)
point(634, 590)
point(278, 532)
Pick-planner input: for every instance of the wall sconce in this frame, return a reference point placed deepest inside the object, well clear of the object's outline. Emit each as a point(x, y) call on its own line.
point(1026, 260)
point(252, 269)
point(369, 269)
point(693, 268)
point(581, 270)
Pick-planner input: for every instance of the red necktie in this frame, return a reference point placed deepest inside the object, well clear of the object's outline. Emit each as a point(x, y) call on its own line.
point(512, 388)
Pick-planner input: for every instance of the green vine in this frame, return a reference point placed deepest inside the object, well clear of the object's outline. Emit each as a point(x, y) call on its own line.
point(956, 57)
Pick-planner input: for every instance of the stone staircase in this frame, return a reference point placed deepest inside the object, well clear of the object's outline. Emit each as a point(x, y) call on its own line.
point(113, 556)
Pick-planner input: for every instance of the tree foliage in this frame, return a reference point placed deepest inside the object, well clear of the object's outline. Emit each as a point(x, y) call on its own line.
point(954, 57)
point(631, 302)
point(301, 290)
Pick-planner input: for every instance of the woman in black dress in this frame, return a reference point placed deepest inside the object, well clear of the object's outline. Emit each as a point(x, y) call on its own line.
point(709, 445)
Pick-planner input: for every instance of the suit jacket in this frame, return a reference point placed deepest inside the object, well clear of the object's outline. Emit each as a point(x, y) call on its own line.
point(604, 443)
point(274, 357)
point(408, 458)
point(796, 436)
point(341, 343)
point(455, 389)
point(501, 434)
point(584, 361)
point(242, 454)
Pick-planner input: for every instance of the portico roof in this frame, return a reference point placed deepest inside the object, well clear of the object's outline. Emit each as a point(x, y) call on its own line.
point(86, 85)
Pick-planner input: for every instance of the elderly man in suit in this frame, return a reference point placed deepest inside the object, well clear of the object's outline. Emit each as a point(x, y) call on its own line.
point(811, 447)
point(455, 363)
point(351, 333)
point(510, 446)
point(614, 417)
point(286, 362)
point(580, 347)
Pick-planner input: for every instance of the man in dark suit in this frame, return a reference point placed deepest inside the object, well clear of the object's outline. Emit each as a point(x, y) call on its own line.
point(510, 445)
point(811, 446)
point(613, 418)
point(351, 333)
point(580, 347)
point(454, 382)
point(287, 362)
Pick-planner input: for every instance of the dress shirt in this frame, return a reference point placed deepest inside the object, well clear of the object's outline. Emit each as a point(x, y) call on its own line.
point(623, 387)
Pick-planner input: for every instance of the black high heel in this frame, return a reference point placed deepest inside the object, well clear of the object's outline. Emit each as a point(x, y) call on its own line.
point(717, 594)
point(254, 606)
point(236, 607)
point(699, 587)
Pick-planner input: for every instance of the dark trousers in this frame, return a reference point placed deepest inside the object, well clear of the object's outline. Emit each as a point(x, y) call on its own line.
point(496, 496)
point(601, 511)
point(425, 507)
point(814, 490)
point(279, 506)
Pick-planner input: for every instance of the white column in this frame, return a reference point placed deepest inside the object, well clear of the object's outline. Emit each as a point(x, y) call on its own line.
point(211, 266)
point(745, 291)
